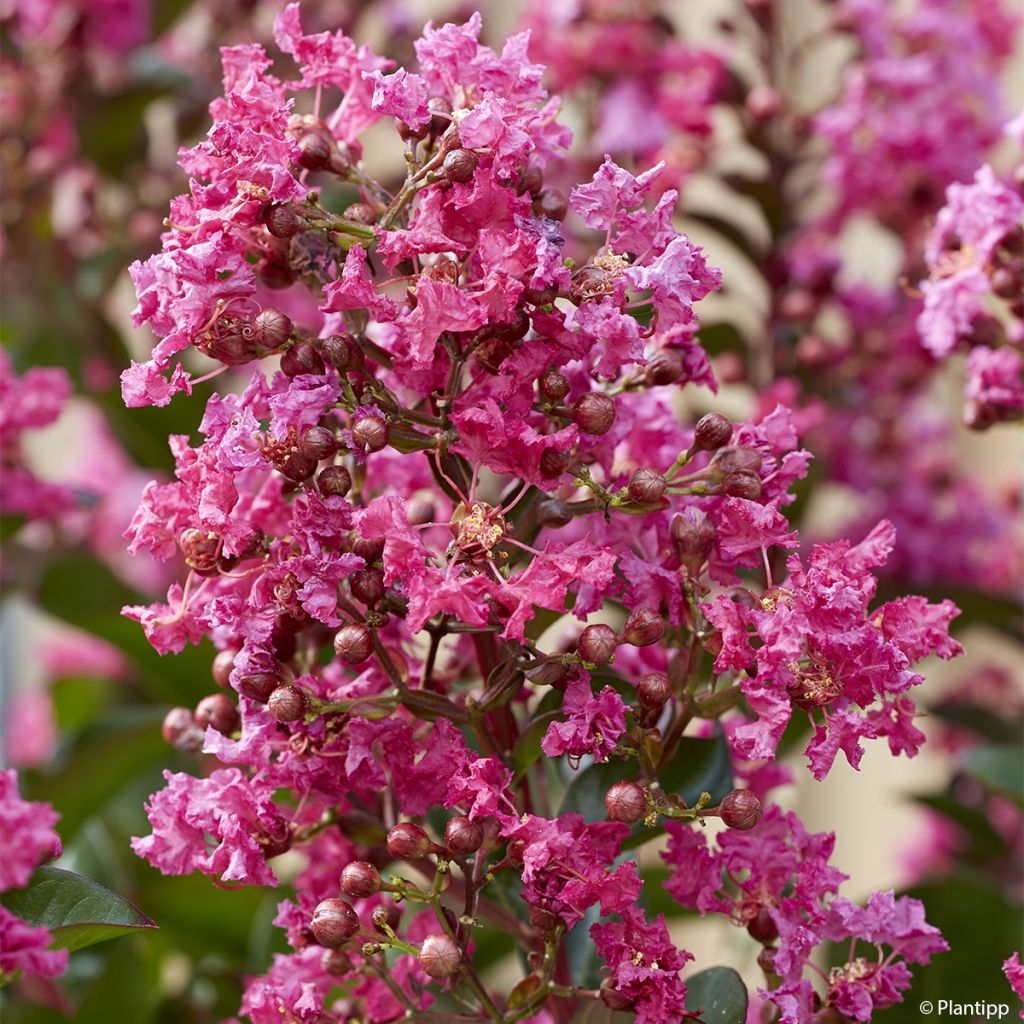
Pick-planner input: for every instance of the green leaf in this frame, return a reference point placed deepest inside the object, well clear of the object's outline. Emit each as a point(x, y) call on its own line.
point(698, 766)
point(527, 749)
point(1000, 767)
point(585, 794)
point(598, 1013)
point(77, 911)
point(982, 722)
point(985, 842)
point(719, 994)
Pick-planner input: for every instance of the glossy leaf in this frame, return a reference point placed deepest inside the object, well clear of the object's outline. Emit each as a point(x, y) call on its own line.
point(719, 994)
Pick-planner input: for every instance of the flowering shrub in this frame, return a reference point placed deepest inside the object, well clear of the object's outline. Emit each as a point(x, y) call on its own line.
point(492, 591)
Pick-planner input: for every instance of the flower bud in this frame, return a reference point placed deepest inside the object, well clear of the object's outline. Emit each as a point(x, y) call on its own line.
point(653, 690)
point(554, 463)
point(271, 329)
point(664, 367)
point(762, 927)
point(554, 386)
point(734, 458)
point(614, 999)
point(367, 586)
point(597, 644)
point(314, 152)
point(459, 165)
point(334, 482)
point(334, 922)
point(439, 956)
point(258, 686)
point(441, 114)
point(200, 549)
point(180, 730)
point(335, 962)
point(594, 413)
point(625, 801)
point(288, 703)
point(741, 484)
point(643, 628)
point(218, 711)
point(360, 879)
point(646, 486)
point(282, 221)
point(766, 958)
point(301, 358)
point(342, 351)
point(353, 643)
point(693, 537)
point(543, 920)
point(386, 917)
point(463, 836)
point(531, 180)
point(318, 443)
point(407, 841)
point(540, 296)
point(222, 665)
point(369, 433)
point(740, 810)
point(551, 203)
point(367, 548)
point(297, 467)
point(712, 432)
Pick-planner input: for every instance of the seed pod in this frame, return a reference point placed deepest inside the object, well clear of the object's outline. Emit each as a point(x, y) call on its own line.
point(319, 443)
point(334, 922)
point(459, 165)
point(741, 484)
point(335, 962)
point(360, 879)
point(664, 367)
point(531, 180)
point(334, 481)
point(553, 385)
point(220, 712)
point(712, 432)
point(367, 586)
point(597, 644)
point(367, 548)
point(180, 730)
point(643, 628)
point(540, 296)
point(353, 643)
point(342, 352)
point(625, 801)
point(439, 956)
point(514, 329)
point(258, 686)
point(646, 486)
point(200, 549)
point(766, 958)
point(653, 690)
point(550, 202)
point(369, 433)
point(740, 810)
point(271, 329)
point(222, 665)
point(297, 467)
point(463, 836)
point(301, 358)
point(594, 413)
point(288, 703)
point(282, 221)
point(407, 841)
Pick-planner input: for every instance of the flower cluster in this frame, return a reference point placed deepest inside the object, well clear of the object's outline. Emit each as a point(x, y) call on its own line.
point(28, 839)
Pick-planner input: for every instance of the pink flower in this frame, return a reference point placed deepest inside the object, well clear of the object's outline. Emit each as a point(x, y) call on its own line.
point(592, 725)
point(28, 831)
point(25, 949)
point(1015, 976)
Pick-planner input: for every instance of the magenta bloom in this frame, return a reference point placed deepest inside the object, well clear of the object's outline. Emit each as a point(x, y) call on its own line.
point(593, 723)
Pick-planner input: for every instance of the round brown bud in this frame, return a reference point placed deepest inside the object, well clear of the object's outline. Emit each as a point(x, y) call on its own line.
point(360, 879)
point(693, 537)
point(361, 213)
point(386, 917)
point(334, 481)
point(407, 841)
point(367, 586)
point(550, 202)
point(515, 328)
point(653, 690)
point(740, 810)
point(543, 920)
point(762, 928)
point(440, 114)
point(540, 296)
point(288, 703)
point(766, 958)
point(531, 180)
point(342, 351)
point(200, 549)
point(733, 458)
point(646, 486)
point(275, 272)
point(282, 221)
point(741, 484)
point(597, 644)
point(258, 686)
point(301, 358)
point(271, 329)
point(612, 998)
point(369, 433)
point(553, 462)
point(223, 663)
point(664, 367)
point(1006, 283)
point(643, 628)
point(459, 165)
point(180, 730)
point(367, 548)
point(463, 836)
point(335, 962)
point(712, 432)
point(318, 443)
point(439, 956)
point(314, 152)
point(297, 467)
point(594, 413)
point(219, 712)
point(334, 922)
point(353, 643)
point(553, 385)
point(553, 511)
point(625, 801)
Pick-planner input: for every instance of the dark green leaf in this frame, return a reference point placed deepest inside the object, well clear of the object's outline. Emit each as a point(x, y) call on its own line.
point(985, 842)
point(978, 720)
point(1000, 767)
point(698, 766)
point(527, 749)
point(77, 911)
point(720, 994)
point(586, 792)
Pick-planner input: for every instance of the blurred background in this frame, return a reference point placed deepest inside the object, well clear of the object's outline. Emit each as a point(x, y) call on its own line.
point(98, 95)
